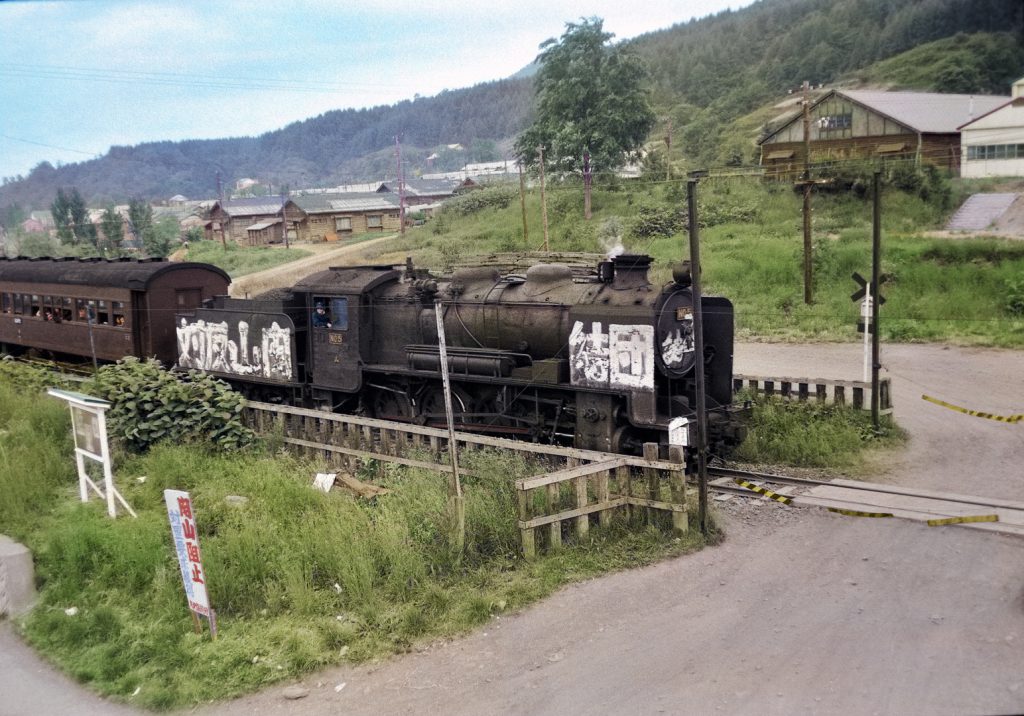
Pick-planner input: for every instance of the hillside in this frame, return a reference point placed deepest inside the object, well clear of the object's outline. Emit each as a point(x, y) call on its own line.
point(706, 75)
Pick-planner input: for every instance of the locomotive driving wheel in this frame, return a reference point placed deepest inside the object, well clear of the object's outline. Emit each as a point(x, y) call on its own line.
point(431, 407)
point(390, 404)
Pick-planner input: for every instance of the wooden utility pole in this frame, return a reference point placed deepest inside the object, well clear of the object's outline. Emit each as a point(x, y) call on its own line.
point(808, 248)
point(284, 215)
point(876, 276)
point(220, 203)
point(668, 151)
point(698, 366)
point(522, 204)
point(543, 200)
point(455, 484)
point(401, 186)
point(588, 180)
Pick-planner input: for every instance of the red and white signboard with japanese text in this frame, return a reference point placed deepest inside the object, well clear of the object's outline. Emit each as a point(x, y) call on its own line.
point(186, 543)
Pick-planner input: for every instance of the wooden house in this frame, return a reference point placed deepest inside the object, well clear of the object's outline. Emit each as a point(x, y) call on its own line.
point(337, 216)
point(870, 124)
point(233, 218)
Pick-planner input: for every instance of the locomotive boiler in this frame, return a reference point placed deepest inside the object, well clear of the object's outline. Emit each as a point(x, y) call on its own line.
point(601, 359)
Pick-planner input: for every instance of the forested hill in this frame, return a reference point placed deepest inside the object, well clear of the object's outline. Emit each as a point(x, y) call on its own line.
point(706, 74)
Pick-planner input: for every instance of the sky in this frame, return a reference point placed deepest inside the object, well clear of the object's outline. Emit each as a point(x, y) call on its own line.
point(80, 76)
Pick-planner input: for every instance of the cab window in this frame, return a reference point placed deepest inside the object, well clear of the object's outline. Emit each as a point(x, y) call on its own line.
point(339, 313)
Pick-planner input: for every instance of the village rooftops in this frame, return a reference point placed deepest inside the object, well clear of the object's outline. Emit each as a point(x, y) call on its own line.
point(251, 206)
point(346, 202)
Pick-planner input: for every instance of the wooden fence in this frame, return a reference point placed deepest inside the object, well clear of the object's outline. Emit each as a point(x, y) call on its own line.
point(596, 490)
point(853, 392)
point(596, 483)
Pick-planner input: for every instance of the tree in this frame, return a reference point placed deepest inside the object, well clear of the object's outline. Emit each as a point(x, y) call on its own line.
point(593, 108)
point(140, 217)
point(72, 218)
point(13, 216)
point(157, 239)
point(112, 227)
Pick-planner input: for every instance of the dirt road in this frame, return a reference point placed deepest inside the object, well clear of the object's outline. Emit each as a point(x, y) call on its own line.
point(324, 256)
point(797, 612)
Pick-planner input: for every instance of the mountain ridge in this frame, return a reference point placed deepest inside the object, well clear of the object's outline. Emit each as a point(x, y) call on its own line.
point(707, 75)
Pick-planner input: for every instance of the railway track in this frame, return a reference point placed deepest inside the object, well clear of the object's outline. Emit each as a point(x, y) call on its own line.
point(864, 499)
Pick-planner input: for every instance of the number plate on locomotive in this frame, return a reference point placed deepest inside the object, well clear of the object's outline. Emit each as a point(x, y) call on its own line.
point(335, 339)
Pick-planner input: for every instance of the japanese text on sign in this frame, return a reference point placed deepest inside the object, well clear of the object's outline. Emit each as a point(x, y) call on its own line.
point(186, 544)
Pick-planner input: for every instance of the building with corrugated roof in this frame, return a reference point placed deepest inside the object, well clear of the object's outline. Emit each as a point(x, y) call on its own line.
point(992, 145)
point(230, 220)
point(337, 216)
point(850, 125)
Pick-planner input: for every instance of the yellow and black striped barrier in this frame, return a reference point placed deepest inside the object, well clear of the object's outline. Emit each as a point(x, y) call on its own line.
point(858, 513)
point(963, 520)
point(975, 413)
point(763, 491)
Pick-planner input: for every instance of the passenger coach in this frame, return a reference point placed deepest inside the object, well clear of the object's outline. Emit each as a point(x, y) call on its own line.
point(127, 305)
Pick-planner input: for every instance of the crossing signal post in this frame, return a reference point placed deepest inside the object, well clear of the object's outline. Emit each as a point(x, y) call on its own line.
point(871, 299)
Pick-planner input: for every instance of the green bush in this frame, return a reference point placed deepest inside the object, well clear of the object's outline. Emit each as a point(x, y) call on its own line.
point(491, 197)
point(656, 221)
point(151, 404)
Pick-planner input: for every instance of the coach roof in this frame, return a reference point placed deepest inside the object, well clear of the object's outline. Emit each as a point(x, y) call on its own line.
point(118, 273)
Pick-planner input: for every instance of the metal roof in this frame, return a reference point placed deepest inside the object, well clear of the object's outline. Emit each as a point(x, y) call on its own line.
point(252, 205)
point(926, 112)
point(348, 279)
point(130, 273)
point(262, 225)
point(345, 202)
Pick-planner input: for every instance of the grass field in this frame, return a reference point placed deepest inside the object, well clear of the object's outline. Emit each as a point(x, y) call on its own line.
point(965, 291)
point(241, 260)
point(300, 579)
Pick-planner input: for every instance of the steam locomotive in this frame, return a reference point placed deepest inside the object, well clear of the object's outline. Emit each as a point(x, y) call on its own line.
point(601, 358)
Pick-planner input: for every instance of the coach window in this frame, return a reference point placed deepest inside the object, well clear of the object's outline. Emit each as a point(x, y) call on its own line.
point(81, 310)
point(66, 314)
point(35, 307)
point(7, 303)
point(117, 309)
point(102, 314)
point(19, 304)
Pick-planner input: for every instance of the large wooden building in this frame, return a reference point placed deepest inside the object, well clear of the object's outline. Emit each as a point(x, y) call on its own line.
point(871, 124)
point(253, 221)
point(337, 216)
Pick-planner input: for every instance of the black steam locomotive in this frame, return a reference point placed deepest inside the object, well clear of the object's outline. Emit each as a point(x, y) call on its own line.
point(601, 359)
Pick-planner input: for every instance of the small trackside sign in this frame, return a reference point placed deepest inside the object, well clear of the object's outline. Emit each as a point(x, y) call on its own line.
point(186, 544)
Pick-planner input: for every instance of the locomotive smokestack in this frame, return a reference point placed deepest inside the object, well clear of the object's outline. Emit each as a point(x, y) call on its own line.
point(631, 270)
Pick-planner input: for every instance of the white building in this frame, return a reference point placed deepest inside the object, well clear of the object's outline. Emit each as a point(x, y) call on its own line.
point(993, 144)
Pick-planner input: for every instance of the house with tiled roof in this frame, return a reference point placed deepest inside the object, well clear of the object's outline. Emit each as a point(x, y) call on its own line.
point(337, 216)
point(874, 124)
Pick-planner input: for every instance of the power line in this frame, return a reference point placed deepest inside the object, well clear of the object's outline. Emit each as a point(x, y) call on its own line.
point(185, 80)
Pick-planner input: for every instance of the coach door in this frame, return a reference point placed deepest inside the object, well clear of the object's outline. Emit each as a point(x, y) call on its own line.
point(335, 347)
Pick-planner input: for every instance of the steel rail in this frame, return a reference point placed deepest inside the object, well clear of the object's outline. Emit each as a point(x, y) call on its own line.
point(865, 487)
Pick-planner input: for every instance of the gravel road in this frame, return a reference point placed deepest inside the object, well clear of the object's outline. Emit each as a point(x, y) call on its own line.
point(796, 612)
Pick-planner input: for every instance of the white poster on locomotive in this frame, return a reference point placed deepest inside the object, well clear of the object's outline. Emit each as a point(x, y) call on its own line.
point(678, 344)
point(245, 349)
point(621, 358)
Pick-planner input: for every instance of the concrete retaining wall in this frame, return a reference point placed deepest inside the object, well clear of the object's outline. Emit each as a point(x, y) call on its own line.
point(17, 578)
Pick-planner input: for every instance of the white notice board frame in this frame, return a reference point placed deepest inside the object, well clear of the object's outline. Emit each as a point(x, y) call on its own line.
point(89, 427)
